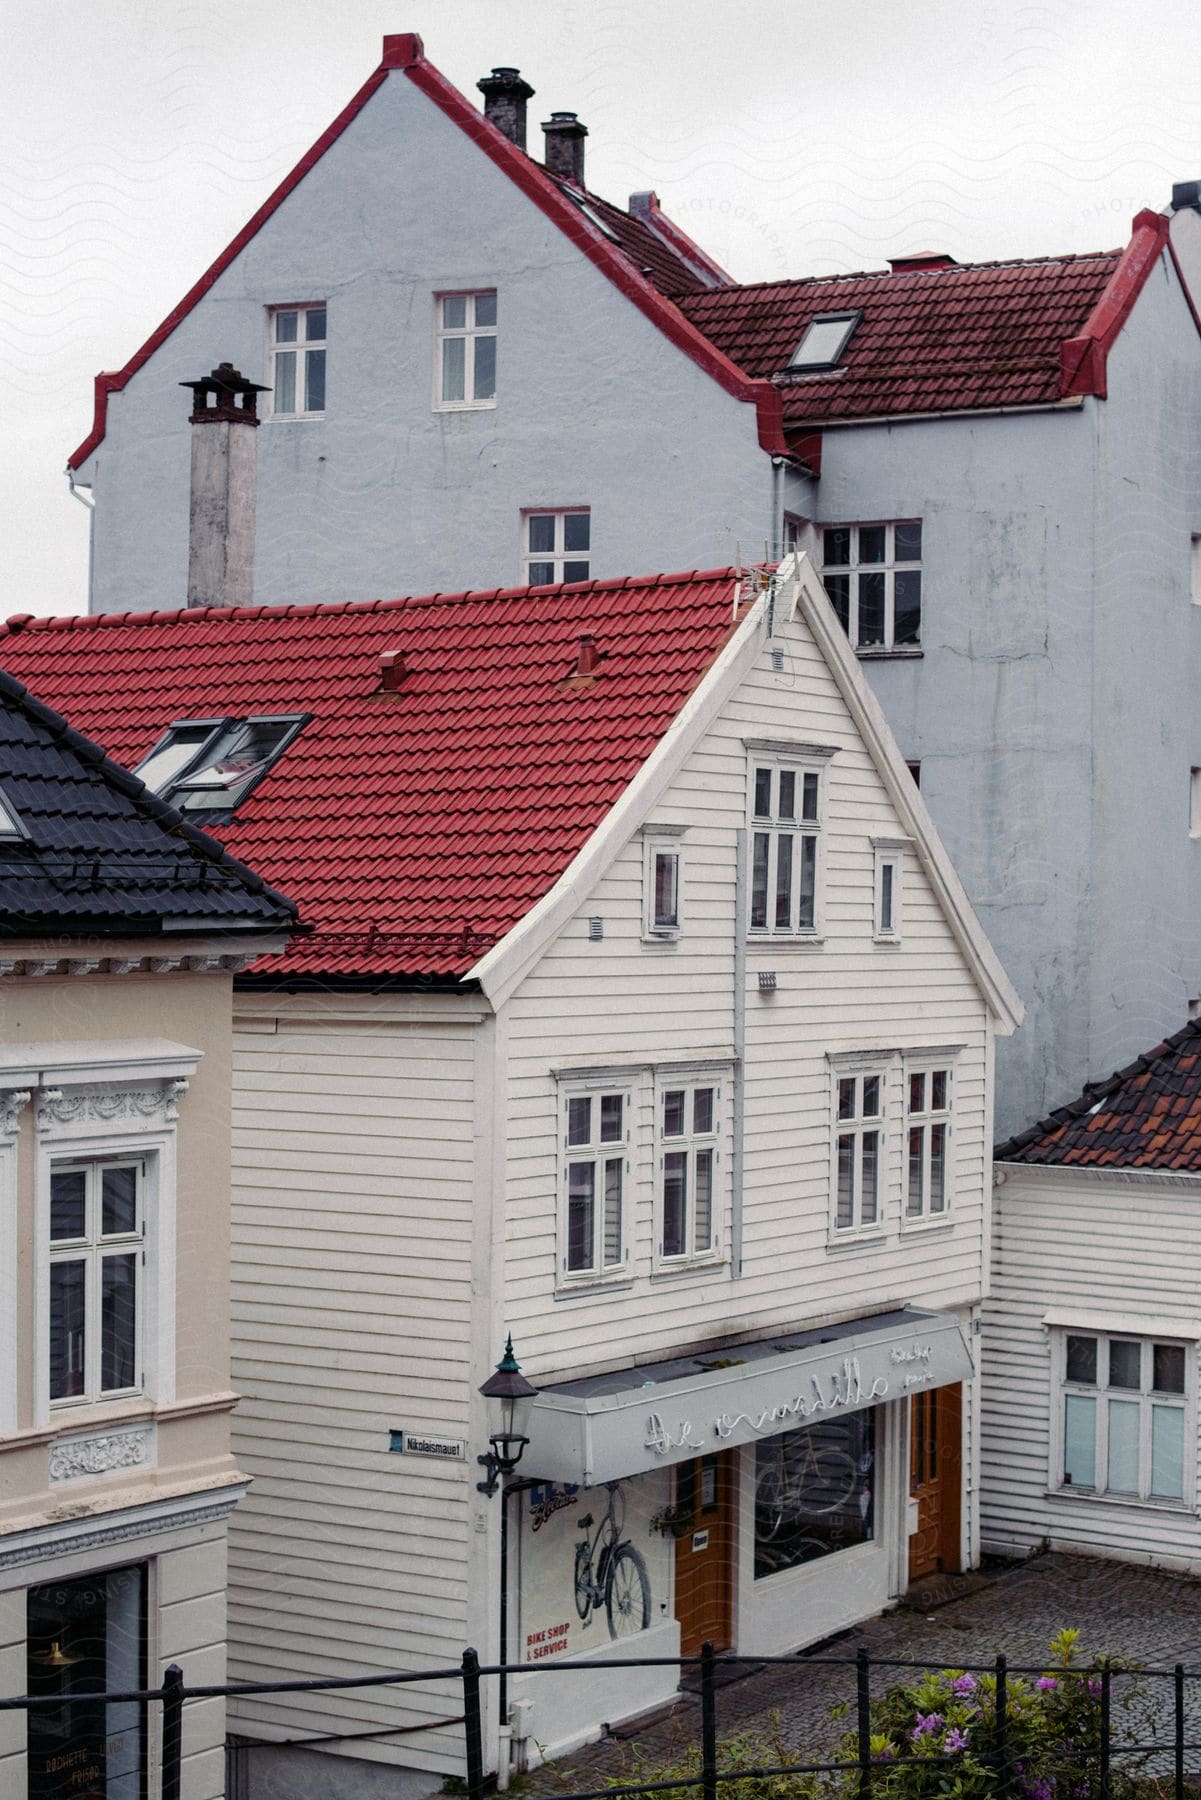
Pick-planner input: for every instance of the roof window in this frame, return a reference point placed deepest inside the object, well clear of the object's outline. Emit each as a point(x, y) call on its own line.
point(210, 765)
point(825, 339)
point(11, 829)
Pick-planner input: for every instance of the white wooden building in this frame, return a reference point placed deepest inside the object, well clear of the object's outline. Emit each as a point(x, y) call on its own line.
point(1091, 1332)
point(645, 1019)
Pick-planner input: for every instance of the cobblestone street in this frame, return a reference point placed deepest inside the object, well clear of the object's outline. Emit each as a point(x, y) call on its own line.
point(1144, 1615)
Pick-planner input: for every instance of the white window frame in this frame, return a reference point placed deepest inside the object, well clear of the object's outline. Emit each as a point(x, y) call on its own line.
point(889, 569)
point(925, 1068)
point(559, 556)
point(889, 854)
point(836, 341)
point(93, 1249)
point(692, 1145)
point(467, 333)
point(860, 1067)
point(801, 762)
point(661, 842)
point(300, 349)
point(1145, 1396)
point(1194, 568)
point(599, 1152)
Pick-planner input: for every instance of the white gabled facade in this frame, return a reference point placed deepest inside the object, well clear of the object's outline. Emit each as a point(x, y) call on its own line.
point(408, 1188)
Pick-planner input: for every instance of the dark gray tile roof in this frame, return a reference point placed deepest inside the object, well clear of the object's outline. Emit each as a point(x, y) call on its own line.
point(98, 851)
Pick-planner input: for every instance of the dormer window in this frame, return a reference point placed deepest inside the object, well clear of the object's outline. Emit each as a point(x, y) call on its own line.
point(210, 765)
point(825, 339)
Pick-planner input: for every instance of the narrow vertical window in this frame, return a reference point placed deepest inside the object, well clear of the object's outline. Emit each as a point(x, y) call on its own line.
point(927, 1123)
point(96, 1246)
point(858, 1143)
point(662, 873)
point(465, 351)
point(596, 1147)
point(689, 1115)
point(889, 867)
point(298, 347)
point(785, 833)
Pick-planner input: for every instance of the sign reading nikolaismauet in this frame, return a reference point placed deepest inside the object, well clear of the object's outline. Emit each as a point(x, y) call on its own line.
point(593, 1567)
point(421, 1443)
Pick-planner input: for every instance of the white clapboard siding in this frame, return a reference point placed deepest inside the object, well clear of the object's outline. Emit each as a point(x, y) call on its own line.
point(353, 1253)
point(1108, 1247)
point(621, 1003)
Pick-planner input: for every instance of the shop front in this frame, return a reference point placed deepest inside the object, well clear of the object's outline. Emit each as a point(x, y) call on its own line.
point(757, 1499)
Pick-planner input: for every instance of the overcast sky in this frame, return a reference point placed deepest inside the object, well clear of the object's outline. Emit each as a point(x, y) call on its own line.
point(790, 137)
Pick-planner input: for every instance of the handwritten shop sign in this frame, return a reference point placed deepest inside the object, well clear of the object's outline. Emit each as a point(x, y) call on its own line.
point(650, 1426)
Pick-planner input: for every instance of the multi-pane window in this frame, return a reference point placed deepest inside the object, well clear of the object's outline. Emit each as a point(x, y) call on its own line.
point(859, 1139)
point(786, 803)
point(210, 765)
point(465, 350)
point(661, 870)
point(687, 1157)
point(596, 1150)
point(298, 361)
point(96, 1249)
point(928, 1133)
point(556, 546)
point(1124, 1401)
point(873, 576)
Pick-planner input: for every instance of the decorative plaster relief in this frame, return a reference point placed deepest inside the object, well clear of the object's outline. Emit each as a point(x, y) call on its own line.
point(100, 1453)
point(13, 1102)
point(157, 1104)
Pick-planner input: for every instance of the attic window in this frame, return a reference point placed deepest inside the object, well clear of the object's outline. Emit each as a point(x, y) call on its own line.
point(210, 765)
point(591, 213)
point(825, 339)
point(11, 829)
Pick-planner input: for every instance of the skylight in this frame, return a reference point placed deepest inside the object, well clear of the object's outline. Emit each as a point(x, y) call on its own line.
point(209, 765)
point(11, 829)
point(825, 339)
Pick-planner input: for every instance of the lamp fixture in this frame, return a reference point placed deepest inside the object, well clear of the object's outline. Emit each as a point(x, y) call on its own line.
point(510, 1388)
point(56, 1657)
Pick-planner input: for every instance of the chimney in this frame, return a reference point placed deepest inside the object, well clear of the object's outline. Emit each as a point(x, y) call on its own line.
point(565, 146)
point(921, 259)
point(505, 95)
point(1185, 194)
point(221, 528)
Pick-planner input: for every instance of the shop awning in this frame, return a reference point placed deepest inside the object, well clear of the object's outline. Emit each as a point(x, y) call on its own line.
point(605, 1427)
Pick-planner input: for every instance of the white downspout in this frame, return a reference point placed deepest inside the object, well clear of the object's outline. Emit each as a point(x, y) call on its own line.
point(76, 494)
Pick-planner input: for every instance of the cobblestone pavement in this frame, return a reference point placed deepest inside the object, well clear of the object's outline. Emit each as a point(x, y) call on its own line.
point(1144, 1615)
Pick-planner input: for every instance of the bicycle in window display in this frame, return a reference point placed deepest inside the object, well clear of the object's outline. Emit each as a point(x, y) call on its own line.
point(610, 1572)
point(792, 1487)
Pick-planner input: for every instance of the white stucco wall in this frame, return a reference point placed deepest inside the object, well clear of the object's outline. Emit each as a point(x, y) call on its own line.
point(1050, 707)
point(384, 495)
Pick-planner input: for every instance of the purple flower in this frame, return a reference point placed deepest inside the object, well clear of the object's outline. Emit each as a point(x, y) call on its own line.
point(1094, 1685)
point(1038, 1790)
point(930, 1722)
point(955, 1740)
point(1046, 1684)
point(964, 1684)
point(885, 1755)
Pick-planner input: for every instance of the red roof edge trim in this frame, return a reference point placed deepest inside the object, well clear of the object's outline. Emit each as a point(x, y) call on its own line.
point(112, 383)
point(1082, 359)
point(538, 187)
point(402, 51)
point(676, 238)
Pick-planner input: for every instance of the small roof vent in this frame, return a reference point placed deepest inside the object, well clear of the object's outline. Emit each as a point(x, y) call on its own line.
point(392, 671)
point(921, 259)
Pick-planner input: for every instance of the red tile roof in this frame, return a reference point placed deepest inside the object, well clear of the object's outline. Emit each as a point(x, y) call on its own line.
point(413, 828)
point(647, 251)
point(931, 340)
point(1146, 1116)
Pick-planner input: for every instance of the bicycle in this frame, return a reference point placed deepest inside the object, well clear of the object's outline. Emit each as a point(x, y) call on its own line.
point(620, 1583)
point(819, 1481)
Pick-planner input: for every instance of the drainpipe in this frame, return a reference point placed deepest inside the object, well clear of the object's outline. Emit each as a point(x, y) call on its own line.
point(502, 1773)
point(76, 494)
point(777, 509)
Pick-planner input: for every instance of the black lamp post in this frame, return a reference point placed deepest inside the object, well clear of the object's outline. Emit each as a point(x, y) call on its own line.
point(513, 1392)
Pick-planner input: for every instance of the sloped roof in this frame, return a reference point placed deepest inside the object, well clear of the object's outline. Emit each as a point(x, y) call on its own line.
point(929, 340)
point(413, 827)
point(646, 250)
point(98, 852)
point(1146, 1116)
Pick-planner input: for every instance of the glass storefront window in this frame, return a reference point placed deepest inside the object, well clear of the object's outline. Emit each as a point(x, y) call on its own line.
point(814, 1491)
point(87, 1634)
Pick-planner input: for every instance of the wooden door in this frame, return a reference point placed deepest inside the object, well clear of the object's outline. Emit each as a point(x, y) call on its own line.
point(704, 1534)
point(935, 1479)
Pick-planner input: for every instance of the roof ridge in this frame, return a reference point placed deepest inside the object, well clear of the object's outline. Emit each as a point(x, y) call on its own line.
point(1005, 262)
point(1098, 1091)
point(142, 797)
point(22, 622)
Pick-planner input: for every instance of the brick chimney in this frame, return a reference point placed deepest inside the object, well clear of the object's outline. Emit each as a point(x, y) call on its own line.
point(221, 526)
point(565, 146)
point(505, 95)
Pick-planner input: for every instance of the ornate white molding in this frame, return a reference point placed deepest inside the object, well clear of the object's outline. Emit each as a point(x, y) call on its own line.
point(65, 1539)
point(227, 962)
point(13, 1102)
point(103, 1452)
point(157, 1104)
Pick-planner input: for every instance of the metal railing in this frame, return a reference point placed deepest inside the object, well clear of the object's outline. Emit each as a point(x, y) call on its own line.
point(1167, 1688)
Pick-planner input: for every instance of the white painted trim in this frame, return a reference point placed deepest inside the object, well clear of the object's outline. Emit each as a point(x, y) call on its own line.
point(70, 1064)
point(1072, 1318)
point(1010, 1174)
point(12, 1104)
point(182, 1512)
point(809, 598)
point(506, 965)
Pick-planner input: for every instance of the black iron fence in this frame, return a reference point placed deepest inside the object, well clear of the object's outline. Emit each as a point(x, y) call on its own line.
point(1168, 1758)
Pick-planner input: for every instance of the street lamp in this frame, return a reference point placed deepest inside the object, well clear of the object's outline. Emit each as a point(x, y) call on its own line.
point(514, 1395)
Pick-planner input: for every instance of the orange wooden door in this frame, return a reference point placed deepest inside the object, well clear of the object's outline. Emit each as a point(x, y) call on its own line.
point(935, 1479)
point(704, 1534)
